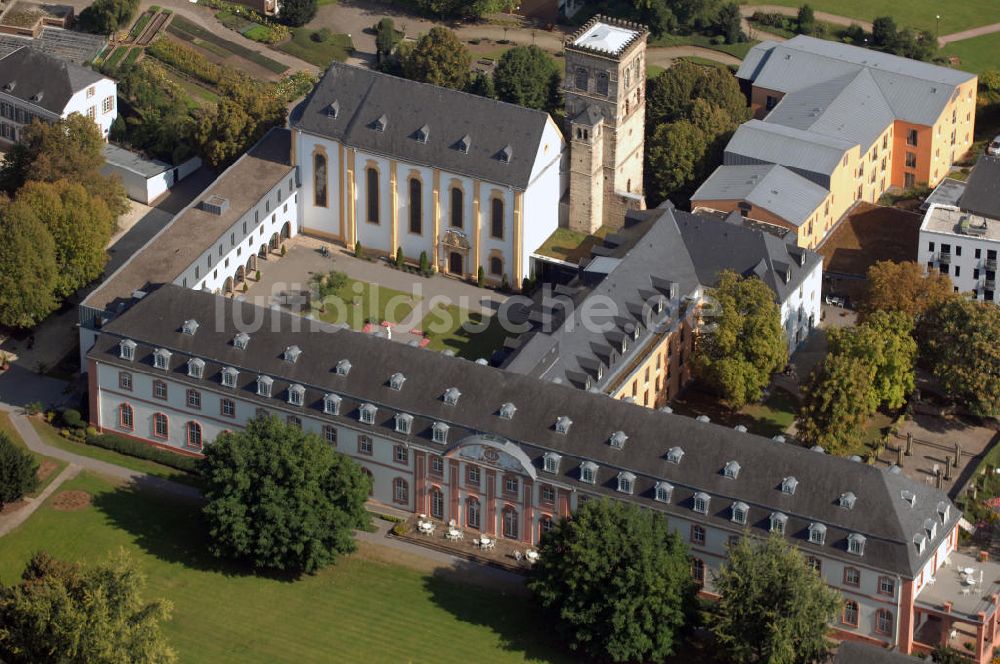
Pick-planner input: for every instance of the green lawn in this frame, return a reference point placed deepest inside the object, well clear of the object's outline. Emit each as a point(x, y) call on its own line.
point(569, 245)
point(976, 55)
point(359, 301)
point(468, 334)
point(736, 50)
point(190, 31)
point(652, 71)
point(358, 610)
point(112, 62)
point(769, 418)
point(57, 464)
point(917, 14)
point(301, 45)
point(50, 435)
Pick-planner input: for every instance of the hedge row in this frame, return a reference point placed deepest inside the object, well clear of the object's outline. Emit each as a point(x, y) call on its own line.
point(187, 60)
point(140, 450)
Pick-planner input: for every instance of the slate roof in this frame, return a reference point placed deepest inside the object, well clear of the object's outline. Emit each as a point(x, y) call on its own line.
point(43, 80)
point(772, 187)
point(982, 189)
point(808, 153)
point(915, 91)
point(363, 96)
point(881, 514)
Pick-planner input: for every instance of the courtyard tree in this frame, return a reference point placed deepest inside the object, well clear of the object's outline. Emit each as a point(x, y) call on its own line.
point(616, 582)
point(18, 471)
point(884, 341)
point(103, 17)
point(836, 403)
point(280, 498)
point(63, 612)
point(671, 94)
point(226, 130)
point(773, 607)
point(440, 58)
point(729, 23)
point(744, 343)
point(806, 20)
point(28, 270)
point(958, 343)
point(528, 76)
point(903, 287)
point(674, 156)
point(386, 38)
point(297, 12)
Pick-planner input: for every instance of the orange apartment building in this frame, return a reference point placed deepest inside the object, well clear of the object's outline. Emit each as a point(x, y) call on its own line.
point(834, 124)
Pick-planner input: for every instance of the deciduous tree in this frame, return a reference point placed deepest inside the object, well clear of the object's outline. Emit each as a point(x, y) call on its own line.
point(281, 498)
point(62, 612)
point(838, 400)
point(674, 156)
point(105, 16)
point(884, 341)
point(903, 287)
point(616, 581)
point(744, 344)
point(772, 607)
point(527, 76)
point(729, 23)
point(28, 270)
point(440, 58)
point(958, 343)
point(240, 119)
point(297, 12)
point(18, 471)
point(671, 95)
point(806, 20)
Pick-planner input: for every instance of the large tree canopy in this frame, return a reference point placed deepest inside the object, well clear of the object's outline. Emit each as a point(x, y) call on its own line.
point(297, 12)
point(528, 76)
point(837, 401)
point(62, 612)
point(903, 287)
point(440, 58)
point(281, 498)
point(672, 94)
point(885, 342)
point(744, 343)
point(241, 118)
point(105, 16)
point(28, 270)
point(772, 607)
point(616, 581)
point(18, 471)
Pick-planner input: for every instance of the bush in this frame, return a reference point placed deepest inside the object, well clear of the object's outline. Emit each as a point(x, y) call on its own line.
point(399, 529)
point(321, 35)
point(34, 408)
point(18, 471)
point(140, 450)
point(399, 257)
point(359, 251)
point(72, 418)
point(425, 264)
point(480, 276)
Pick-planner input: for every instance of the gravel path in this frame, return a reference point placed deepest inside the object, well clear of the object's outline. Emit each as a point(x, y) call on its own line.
point(968, 34)
point(748, 10)
point(9, 522)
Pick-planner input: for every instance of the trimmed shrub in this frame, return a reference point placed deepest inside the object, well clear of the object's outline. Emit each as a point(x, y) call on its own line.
point(18, 471)
point(72, 418)
point(140, 450)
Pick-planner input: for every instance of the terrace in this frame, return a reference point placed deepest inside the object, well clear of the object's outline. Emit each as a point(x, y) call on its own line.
point(505, 554)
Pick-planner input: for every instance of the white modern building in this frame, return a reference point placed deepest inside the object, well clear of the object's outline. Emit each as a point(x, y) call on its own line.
point(34, 85)
point(963, 240)
point(145, 180)
point(395, 164)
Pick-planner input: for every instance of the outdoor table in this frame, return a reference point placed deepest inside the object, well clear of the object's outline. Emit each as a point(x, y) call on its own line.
point(532, 556)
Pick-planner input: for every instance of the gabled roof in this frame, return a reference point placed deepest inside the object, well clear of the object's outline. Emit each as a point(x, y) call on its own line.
point(803, 151)
point(154, 322)
point(43, 80)
point(364, 97)
point(982, 189)
point(774, 188)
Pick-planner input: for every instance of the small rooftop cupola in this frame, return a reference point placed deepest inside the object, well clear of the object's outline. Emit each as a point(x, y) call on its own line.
point(618, 439)
point(505, 154)
point(464, 144)
point(161, 358)
point(731, 470)
point(343, 367)
point(366, 413)
point(856, 544)
point(396, 381)
point(439, 432)
point(847, 500)
point(264, 384)
point(908, 497)
point(126, 349)
point(817, 533)
point(331, 404)
point(788, 485)
point(550, 462)
point(663, 492)
point(241, 340)
point(588, 472)
point(292, 354)
point(404, 422)
point(507, 410)
point(296, 394)
point(451, 396)
point(196, 367)
point(333, 110)
point(626, 482)
point(423, 134)
point(563, 424)
point(190, 327)
point(381, 123)
point(675, 454)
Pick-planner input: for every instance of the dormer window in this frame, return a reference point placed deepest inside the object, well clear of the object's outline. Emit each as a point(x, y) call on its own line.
point(366, 414)
point(660, 303)
point(505, 154)
point(856, 544)
point(451, 396)
point(333, 110)
point(930, 527)
point(296, 395)
point(550, 462)
point(126, 349)
point(190, 327)
point(778, 522)
point(846, 500)
point(788, 485)
point(663, 492)
point(740, 512)
point(343, 367)
point(563, 424)
point(700, 502)
point(423, 134)
point(465, 144)
point(675, 454)
point(731, 470)
point(331, 404)
point(817, 533)
point(943, 510)
point(626, 482)
point(396, 381)
point(920, 541)
point(439, 432)
point(292, 354)
point(381, 123)
point(264, 384)
point(624, 344)
point(507, 410)
point(196, 367)
point(241, 340)
point(600, 371)
point(229, 375)
point(618, 439)
point(909, 497)
point(635, 332)
point(588, 472)
point(161, 358)
point(404, 421)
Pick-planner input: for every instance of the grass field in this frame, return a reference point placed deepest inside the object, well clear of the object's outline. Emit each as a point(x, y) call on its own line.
point(361, 609)
point(189, 31)
point(917, 14)
point(301, 45)
point(769, 418)
point(976, 55)
point(55, 465)
point(569, 245)
point(359, 301)
point(735, 50)
point(468, 334)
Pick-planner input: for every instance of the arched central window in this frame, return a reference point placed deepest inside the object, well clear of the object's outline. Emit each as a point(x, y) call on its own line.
point(850, 616)
point(496, 218)
point(602, 84)
point(416, 206)
point(126, 417)
point(194, 435)
point(319, 179)
point(582, 78)
point(372, 194)
point(457, 206)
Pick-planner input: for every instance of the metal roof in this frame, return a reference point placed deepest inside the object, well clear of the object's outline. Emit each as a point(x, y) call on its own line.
point(982, 189)
point(812, 155)
point(131, 161)
point(772, 187)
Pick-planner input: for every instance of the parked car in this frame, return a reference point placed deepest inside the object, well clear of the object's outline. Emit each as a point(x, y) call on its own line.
point(993, 149)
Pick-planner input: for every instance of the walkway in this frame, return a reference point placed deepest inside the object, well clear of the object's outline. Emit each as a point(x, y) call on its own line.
point(664, 56)
point(847, 21)
point(9, 522)
point(969, 34)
